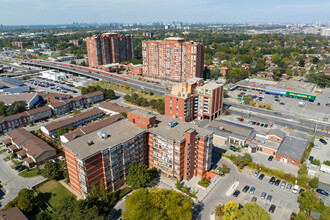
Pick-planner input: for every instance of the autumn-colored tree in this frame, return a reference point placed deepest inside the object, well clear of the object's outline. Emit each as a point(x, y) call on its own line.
point(230, 210)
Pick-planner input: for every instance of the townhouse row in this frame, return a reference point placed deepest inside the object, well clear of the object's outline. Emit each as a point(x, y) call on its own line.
point(8, 123)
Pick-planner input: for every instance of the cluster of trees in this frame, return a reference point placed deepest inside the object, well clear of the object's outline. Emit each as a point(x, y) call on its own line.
point(304, 180)
point(14, 108)
point(26, 201)
point(108, 93)
point(309, 202)
point(53, 171)
point(241, 161)
point(232, 210)
point(157, 204)
point(139, 176)
point(319, 79)
point(157, 104)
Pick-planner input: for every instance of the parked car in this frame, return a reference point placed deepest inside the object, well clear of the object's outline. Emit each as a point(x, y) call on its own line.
point(317, 146)
point(301, 190)
point(321, 191)
point(323, 141)
point(21, 168)
point(236, 193)
point(246, 188)
point(254, 199)
point(256, 173)
point(266, 125)
point(288, 187)
point(272, 208)
point(252, 190)
point(270, 158)
point(261, 176)
point(282, 103)
point(272, 180)
point(263, 195)
point(277, 182)
point(219, 169)
point(295, 189)
point(283, 184)
point(269, 198)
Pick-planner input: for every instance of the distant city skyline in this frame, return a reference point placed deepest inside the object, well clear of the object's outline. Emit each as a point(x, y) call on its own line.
point(33, 12)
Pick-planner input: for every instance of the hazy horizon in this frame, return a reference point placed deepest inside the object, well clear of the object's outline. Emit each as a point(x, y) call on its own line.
point(47, 12)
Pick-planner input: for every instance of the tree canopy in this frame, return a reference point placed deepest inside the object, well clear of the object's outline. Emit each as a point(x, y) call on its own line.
point(138, 175)
point(157, 204)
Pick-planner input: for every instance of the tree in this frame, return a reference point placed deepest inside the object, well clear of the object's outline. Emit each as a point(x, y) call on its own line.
point(25, 200)
point(303, 170)
point(138, 176)
point(127, 97)
point(126, 86)
point(247, 99)
point(252, 211)
point(61, 131)
point(178, 184)
point(230, 210)
point(219, 210)
point(276, 58)
point(73, 62)
point(16, 107)
point(260, 104)
point(224, 168)
point(314, 183)
point(123, 114)
point(252, 103)
point(308, 201)
point(52, 170)
point(43, 216)
point(3, 109)
point(157, 204)
point(268, 106)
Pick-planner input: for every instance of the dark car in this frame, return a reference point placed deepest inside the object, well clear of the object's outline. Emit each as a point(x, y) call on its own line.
point(321, 191)
point(254, 199)
point(254, 122)
point(261, 176)
point(282, 103)
point(266, 125)
point(252, 190)
point(21, 168)
point(246, 188)
point(270, 158)
point(277, 182)
point(272, 180)
point(16, 168)
point(236, 193)
point(323, 141)
point(301, 190)
point(272, 208)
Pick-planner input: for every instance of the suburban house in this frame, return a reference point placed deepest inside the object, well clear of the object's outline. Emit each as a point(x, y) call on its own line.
point(12, 214)
point(113, 108)
point(78, 120)
point(28, 147)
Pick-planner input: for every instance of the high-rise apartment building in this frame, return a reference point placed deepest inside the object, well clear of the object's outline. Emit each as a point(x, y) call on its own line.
point(176, 148)
point(109, 48)
point(194, 99)
point(173, 59)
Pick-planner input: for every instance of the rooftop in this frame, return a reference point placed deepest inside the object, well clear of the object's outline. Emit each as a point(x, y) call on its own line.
point(176, 133)
point(10, 98)
point(295, 86)
point(211, 85)
point(114, 107)
point(175, 38)
point(257, 83)
point(266, 143)
point(12, 214)
point(143, 113)
point(276, 132)
point(293, 147)
point(118, 132)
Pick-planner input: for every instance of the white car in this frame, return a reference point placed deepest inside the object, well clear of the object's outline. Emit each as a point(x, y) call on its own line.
point(317, 146)
point(295, 189)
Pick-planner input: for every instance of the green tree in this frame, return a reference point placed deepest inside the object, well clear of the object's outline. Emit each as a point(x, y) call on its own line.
point(138, 176)
point(43, 216)
point(314, 183)
point(61, 131)
point(3, 109)
point(247, 99)
point(276, 58)
point(303, 169)
point(252, 211)
point(230, 210)
point(16, 107)
point(308, 201)
point(52, 170)
point(123, 114)
point(178, 184)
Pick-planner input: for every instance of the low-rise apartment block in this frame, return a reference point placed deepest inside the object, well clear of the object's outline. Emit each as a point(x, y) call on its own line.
point(56, 97)
point(174, 147)
point(50, 130)
point(194, 99)
point(29, 148)
point(113, 108)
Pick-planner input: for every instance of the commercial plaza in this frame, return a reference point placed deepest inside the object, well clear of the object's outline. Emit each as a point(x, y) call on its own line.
point(288, 88)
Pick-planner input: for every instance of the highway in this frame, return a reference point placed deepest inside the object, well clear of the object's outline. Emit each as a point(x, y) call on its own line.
point(96, 74)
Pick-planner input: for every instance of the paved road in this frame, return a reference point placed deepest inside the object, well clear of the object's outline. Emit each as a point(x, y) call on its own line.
point(285, 201)
point(12, 182)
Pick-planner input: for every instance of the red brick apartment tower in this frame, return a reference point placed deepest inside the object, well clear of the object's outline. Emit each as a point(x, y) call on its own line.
point(173, 59)
point(109, 48)
point(72, 170)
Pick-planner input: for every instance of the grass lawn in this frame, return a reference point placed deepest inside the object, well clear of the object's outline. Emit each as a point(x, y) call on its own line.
point(52, 192)
point(31, 173)
point(3, 150)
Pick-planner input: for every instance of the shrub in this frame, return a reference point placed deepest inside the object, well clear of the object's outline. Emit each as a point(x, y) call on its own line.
point(316, 162)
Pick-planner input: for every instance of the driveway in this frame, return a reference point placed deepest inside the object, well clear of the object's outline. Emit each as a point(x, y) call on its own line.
point(12, 182)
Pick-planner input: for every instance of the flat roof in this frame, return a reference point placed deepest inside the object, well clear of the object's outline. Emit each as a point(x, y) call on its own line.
point(295, 86)
point(143, 113)
point(174, 38)
point(10, 98)
point(293, 147)
point(261, 83)
point(176, 133)
point(211, 85)
point(266, 143)
point(118, 132)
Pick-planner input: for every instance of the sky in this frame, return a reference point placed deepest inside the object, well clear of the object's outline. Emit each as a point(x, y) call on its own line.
point(32, 12)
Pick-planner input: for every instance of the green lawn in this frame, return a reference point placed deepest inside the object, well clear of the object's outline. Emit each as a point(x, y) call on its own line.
point(3, 150)
point(31, 173)
point(52, 192)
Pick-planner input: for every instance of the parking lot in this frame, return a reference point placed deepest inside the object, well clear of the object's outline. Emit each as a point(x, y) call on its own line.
point(321, 151)
point(52, 85)
point(284, 200)
point(316, 109)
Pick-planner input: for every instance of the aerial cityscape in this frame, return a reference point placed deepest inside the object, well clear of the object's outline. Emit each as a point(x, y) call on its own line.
point(171, 110)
